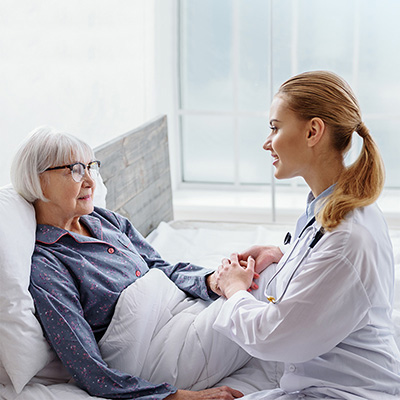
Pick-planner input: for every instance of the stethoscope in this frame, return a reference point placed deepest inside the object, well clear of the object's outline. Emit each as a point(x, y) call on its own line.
point(317, 237)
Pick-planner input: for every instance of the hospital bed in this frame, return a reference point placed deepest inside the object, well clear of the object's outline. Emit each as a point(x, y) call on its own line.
point(135, 183)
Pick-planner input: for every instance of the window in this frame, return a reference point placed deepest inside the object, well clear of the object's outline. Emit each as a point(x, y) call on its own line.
point(234, 54)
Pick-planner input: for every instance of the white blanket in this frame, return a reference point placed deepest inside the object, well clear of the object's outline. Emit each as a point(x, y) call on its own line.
point(161, 335)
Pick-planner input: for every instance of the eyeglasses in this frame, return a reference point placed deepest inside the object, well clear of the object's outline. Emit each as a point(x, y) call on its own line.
point(78, 169)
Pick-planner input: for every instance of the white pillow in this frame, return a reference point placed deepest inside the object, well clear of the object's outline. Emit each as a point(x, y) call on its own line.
point(100, 193)
point(23, 349)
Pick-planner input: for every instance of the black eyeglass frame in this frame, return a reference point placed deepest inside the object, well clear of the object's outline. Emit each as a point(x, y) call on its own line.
point(71, 166)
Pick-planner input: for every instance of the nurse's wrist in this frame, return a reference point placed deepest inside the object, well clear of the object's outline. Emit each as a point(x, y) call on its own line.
point(233, 289)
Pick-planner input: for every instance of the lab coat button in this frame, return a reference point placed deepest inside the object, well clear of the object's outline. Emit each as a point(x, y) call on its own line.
point(292, 368)
point(110, 250)
point(138, 273)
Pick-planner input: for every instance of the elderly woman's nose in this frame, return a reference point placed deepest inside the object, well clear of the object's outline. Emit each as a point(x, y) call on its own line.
point(87, 178)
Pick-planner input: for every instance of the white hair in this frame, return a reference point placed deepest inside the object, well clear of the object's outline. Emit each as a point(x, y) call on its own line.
point(45, 147)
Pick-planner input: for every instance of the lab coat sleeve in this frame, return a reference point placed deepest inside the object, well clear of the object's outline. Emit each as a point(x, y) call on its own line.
point(324, 303)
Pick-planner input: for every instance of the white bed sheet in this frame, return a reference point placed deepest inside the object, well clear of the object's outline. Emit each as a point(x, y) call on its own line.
point(205, 244)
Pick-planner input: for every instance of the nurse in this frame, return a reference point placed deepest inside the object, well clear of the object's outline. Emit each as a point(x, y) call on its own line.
point(326, 313)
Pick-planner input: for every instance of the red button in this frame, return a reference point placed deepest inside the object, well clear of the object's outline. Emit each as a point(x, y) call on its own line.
point(110, 250)
point(138, 273)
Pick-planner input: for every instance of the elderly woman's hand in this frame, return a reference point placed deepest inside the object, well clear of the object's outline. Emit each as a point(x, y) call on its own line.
point(220, 393)
point(212, 283)
point(232, 276)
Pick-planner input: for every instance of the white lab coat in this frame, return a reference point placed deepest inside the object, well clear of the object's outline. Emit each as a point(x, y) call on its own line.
point(333, 328)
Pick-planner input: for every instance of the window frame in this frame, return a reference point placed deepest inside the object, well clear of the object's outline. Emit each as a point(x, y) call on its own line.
point(389, 193)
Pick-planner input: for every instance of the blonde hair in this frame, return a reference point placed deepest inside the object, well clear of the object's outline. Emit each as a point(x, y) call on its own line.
point(45, 147)
point(325, 95)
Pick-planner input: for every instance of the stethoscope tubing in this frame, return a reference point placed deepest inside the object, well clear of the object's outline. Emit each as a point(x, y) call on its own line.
point(317, 237)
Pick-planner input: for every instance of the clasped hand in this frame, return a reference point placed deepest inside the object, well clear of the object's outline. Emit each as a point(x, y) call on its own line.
point(234, 275)
point(240, 270)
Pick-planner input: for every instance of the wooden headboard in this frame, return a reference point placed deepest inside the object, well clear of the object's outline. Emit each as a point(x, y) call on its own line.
point(135, 170)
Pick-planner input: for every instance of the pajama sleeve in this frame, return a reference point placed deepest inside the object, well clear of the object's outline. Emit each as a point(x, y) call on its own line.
point(188, 277)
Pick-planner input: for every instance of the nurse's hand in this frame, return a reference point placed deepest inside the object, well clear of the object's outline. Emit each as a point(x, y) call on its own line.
point(232, 277)
point(219, 393)
point(263, 255)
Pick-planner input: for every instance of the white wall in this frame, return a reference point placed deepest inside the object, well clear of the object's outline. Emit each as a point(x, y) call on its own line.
point(86, 67)
point(166, 78)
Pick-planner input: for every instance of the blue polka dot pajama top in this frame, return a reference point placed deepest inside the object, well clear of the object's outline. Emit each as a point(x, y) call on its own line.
point(75, 283)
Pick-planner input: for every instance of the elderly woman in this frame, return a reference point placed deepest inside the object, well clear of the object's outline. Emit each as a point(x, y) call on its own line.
point(83, 260)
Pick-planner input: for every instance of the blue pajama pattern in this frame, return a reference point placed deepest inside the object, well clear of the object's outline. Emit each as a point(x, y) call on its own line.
point(76, 282)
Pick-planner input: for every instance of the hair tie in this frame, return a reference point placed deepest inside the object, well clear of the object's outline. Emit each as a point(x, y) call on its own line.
point(362, 130)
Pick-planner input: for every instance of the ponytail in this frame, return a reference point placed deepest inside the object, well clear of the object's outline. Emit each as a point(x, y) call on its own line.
point(358, 186)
